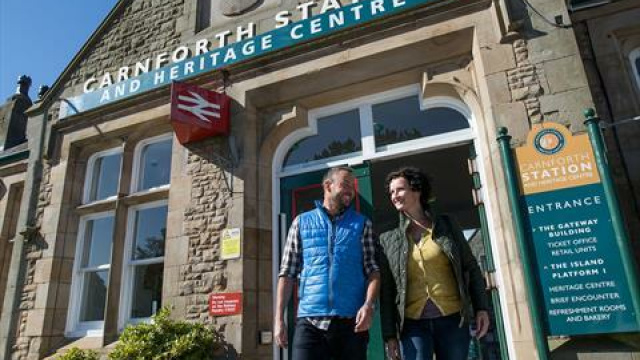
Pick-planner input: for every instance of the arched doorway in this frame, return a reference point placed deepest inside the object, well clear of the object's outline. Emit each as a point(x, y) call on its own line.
point(377, 134)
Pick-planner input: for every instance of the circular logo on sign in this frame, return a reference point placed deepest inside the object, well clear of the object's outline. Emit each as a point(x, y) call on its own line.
point(549, 141)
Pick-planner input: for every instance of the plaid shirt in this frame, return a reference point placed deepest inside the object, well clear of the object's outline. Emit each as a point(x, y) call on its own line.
point(291, 265)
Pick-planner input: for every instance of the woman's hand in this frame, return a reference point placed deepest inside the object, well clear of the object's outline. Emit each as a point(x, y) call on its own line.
point(482, 323)
point(393, 351)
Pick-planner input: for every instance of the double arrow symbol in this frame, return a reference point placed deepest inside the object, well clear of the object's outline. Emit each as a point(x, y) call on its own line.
point(199, 107)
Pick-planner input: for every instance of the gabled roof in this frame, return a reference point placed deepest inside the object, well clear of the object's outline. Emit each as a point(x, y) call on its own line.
point(95, 36)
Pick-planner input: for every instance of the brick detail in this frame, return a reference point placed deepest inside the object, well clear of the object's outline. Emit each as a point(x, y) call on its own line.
point(144, 29)
point(524, 82)
point(204, 220)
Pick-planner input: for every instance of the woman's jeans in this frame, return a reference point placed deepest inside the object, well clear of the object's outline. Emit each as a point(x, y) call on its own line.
point(442, 336)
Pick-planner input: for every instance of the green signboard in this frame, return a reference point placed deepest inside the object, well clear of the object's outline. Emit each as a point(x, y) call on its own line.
point(579, 267)
point(581, 275)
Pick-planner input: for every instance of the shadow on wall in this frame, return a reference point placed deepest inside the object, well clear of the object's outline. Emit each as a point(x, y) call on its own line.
point(613, 347)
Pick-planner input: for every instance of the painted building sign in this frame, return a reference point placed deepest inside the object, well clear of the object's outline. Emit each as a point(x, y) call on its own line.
point(580, 270)
point(334, 19)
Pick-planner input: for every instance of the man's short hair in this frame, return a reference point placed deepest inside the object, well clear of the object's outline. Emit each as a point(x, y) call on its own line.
point(334, 170)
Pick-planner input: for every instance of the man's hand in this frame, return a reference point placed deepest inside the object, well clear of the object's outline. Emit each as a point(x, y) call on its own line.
point(280, 333)
point(482, 323)
point(364, 317)
point(393, 351)
point(285, 286)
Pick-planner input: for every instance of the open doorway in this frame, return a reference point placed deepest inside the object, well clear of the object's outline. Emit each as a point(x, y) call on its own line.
point(450, 179)
point(452, 184)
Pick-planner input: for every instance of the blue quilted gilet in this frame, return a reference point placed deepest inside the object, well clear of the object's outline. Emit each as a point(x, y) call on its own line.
point(332, 282)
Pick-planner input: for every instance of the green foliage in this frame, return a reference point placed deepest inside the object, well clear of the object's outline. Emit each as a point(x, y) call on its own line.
point(77, 354)
point(165, 339)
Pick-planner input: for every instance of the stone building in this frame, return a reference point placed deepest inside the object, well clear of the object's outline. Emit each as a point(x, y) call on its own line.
point(106, 216)
point(608, 37)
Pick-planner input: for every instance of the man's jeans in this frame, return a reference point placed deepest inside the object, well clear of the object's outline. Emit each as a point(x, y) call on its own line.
point(338, 342)
point(442, 336)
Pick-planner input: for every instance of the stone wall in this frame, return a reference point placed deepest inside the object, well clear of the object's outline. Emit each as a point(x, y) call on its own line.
point(524, 82)
point(28, 345)
point(605, 37)
point(142, 29)
point(204, 220)
point(201, 200)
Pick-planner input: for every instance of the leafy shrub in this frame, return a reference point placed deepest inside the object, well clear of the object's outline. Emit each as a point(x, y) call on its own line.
point(165, 339)
point(77, 354)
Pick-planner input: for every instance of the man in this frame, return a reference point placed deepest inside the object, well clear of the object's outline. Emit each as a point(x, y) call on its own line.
point(332, 248)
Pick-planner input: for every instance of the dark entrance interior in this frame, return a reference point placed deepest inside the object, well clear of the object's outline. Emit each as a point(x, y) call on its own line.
point(449, 175)
point(452, 184)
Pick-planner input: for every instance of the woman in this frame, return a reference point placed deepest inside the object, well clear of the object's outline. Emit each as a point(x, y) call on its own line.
point(430, 278)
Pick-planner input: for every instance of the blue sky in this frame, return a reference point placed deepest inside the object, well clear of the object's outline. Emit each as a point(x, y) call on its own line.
point(40, 37)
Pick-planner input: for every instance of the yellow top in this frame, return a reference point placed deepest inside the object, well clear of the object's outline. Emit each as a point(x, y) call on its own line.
point(430, 276)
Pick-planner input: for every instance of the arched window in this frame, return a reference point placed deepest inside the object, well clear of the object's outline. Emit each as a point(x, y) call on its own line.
point(402, 120)
point(103, 175)
point(338, 134)
point(397, 120)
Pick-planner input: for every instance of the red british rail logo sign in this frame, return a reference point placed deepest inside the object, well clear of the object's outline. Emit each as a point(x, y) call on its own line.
point(198, 113)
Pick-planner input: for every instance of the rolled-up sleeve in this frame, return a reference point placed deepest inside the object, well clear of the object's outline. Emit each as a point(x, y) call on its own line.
point(291, 264)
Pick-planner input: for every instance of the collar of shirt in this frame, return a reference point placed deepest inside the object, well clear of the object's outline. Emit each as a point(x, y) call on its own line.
point(335, 217)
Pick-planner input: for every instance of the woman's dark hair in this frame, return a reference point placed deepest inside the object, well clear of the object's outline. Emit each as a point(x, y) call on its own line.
point(418, 181)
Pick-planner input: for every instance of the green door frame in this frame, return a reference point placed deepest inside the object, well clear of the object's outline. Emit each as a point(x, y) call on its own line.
point(488, 266)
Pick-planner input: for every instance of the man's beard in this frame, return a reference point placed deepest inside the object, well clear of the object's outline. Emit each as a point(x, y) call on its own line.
point(339, 202)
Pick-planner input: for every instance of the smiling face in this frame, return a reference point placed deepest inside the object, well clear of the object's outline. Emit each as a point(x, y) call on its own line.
point(402, 197)
point(339, 190)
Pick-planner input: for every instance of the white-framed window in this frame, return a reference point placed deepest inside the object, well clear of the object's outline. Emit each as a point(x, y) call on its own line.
point(143, 263)
point(90, 275)
point(103, 175)
point(152, 164)
point(387, 123)
point(634, 58)
point(144, 221)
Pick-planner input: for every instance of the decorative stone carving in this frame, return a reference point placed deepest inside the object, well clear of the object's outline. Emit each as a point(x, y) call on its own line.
point(238, 7)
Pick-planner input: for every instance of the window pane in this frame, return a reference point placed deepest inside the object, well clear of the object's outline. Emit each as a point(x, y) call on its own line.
point(150, 232)
point(104, 180)
point(147, 290)
point(98, 237)
point(155, 165)
point(402, 120)
point(94, 296)
point(637, 63)
point(337, 135)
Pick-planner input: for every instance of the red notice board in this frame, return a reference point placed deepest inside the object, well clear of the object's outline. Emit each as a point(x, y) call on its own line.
point(224, 304)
